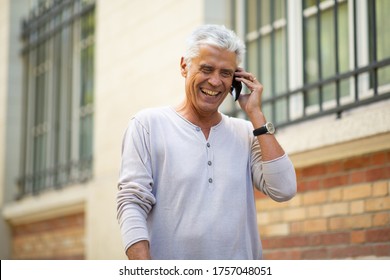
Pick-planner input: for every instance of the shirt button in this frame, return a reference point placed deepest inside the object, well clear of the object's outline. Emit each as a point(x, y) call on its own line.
point(210, 180)
point(198, 129)
point(209, 163)
point(208, 145)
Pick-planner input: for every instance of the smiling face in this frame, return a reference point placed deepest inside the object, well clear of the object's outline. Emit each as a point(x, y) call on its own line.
point(208, 80)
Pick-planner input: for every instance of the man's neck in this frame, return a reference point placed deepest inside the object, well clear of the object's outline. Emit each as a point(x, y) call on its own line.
point(201, 119)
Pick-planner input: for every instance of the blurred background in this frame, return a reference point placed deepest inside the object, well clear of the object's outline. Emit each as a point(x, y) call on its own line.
point(73, 72)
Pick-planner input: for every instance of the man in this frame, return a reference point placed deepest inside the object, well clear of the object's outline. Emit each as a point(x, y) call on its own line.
point(187, 173)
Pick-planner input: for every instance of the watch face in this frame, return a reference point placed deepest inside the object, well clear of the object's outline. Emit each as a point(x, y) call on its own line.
point(270, 128)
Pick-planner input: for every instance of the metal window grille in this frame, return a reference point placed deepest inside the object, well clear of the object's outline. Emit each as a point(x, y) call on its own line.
point(58, 51)
point(345, 56)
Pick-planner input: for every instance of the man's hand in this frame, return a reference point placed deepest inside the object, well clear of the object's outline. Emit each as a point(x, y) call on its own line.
point(250, 103)
point(139, 251)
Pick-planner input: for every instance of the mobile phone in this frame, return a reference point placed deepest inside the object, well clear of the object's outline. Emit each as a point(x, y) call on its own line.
point(236, 88)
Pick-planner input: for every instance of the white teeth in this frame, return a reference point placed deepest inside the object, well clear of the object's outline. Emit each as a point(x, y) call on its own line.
point(210, 92)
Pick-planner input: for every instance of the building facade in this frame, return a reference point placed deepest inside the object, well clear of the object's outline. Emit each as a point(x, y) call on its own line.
point(72, 73)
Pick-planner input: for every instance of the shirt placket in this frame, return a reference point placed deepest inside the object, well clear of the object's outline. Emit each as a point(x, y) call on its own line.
point(210, 163)
point(209, 157)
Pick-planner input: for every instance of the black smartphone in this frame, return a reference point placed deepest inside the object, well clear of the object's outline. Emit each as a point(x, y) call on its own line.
point(236, 88)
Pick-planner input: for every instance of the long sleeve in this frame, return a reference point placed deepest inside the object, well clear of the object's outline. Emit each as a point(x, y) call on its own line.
point(134, 198)
point(274, 178)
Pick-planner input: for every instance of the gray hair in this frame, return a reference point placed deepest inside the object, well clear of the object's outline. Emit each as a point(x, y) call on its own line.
point(213, 35)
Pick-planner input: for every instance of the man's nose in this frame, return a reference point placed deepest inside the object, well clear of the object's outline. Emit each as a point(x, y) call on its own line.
point(215, 80)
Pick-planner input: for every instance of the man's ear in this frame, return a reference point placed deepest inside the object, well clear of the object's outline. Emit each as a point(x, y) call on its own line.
point(183, 67)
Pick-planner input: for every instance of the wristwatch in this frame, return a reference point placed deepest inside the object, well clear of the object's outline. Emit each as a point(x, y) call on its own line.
point(268, 128)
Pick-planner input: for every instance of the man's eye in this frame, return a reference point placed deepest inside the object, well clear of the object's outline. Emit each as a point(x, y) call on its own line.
point(207, 70)
point(226, 74)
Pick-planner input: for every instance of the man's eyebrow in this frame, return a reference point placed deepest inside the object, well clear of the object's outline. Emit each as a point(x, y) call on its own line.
point(207, 66)
point(228, 71)
point(202, 66)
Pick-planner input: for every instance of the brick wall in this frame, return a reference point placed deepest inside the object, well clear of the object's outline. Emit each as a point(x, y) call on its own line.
point(59, 238)
point(341, 210)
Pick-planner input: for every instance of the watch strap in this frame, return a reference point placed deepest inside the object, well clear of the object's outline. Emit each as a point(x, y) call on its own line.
point(260, 131)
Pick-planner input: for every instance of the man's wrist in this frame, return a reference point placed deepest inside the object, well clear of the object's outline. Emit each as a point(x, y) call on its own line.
point(139, 251)
point(268, 128)
point(257, 118)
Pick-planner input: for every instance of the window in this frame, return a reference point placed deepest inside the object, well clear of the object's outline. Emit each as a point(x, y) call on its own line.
point(317, 57)
point(326, 52)
point(266, 40)
point(58, 56)
point(341, 53)
point(379, 39)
